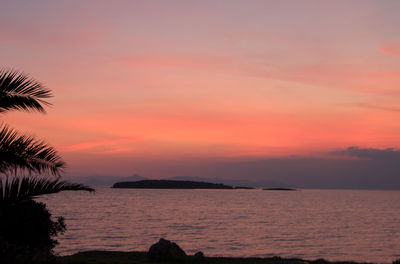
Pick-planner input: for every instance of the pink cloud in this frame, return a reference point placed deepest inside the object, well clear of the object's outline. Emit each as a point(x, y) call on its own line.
point(113, 144)
point(341, 76)
point(117, 151)
point(392, 49)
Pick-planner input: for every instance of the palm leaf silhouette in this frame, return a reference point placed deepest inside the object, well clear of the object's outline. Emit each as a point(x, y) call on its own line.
point(19, 189)
point(20, 92)
point(26, 153)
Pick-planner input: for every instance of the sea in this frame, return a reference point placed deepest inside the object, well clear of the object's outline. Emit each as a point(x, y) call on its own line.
point(337, 225)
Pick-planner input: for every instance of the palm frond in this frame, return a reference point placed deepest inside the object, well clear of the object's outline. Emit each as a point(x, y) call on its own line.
point(26, 153)
point(20, 92)
point(19, 189)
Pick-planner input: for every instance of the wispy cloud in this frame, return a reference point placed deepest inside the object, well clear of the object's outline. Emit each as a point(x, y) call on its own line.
point(378, 107)
point(392, 49)
point(333, 75)
point(117, 150)
point(113, 145)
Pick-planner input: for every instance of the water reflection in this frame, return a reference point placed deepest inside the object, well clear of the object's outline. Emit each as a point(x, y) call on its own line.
point(332, 224)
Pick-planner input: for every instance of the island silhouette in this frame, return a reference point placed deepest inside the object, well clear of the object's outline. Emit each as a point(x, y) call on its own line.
point(170, 184)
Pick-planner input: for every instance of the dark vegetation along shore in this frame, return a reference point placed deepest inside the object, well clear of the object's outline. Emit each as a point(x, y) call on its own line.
point(169, 184)
point(118, 257)
point(166, 251)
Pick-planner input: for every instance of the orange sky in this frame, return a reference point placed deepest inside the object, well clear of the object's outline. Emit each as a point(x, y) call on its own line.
point(161, 80)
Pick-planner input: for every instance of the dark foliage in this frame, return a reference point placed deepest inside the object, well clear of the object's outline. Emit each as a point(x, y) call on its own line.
point(19, 92)
point(27, 231)
point(15, 190)
point(133, 257)
point(26, 153)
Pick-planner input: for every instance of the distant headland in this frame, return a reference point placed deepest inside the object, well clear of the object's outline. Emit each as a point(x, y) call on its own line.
point(170, 184)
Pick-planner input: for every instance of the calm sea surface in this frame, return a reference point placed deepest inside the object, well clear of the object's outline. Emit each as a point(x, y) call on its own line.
point(331, 224)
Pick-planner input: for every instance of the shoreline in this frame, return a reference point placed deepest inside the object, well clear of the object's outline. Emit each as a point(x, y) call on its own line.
point(141, 257)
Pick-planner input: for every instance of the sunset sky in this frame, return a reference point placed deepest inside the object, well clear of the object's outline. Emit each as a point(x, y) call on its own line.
point(141, 85)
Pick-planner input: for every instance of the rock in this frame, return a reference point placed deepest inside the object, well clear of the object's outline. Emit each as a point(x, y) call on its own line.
point(199, 255)
point(166, 250)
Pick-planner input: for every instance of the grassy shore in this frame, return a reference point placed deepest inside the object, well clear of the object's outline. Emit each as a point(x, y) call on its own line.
point(118, 257)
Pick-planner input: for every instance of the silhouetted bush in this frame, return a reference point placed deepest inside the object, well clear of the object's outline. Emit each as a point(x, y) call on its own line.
point(27, 231)
point(396, 261)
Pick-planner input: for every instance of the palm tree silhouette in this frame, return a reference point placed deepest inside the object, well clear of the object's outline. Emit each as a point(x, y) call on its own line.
point(19, 92)
point(20, 152)
point(26, 226)
point(26, 188)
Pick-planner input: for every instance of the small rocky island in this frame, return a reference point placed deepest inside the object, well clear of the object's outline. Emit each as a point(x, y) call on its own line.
point(170, 184)
point(279, 189)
